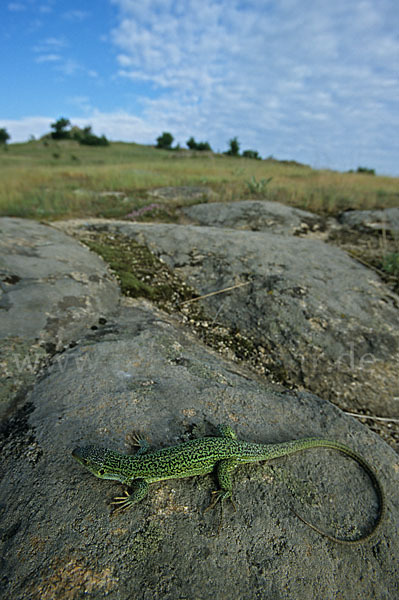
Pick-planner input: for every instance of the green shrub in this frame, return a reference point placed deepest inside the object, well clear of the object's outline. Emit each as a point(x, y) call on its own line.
point(4, 136)
point(251, 154)
point(94, 140)
point(165, 140)
point(201, 146)
point(234, 149)
point(390, 263)
point(365, 170)
point(204, 146)
point(258, 187)
point(60, 129)
point(86, 136)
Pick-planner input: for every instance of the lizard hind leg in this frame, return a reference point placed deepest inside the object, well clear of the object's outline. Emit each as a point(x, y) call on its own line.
point(134, 440)
point(226, 431)
point(223, 472)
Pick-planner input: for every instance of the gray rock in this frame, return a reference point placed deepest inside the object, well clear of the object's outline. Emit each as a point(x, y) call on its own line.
point(60, 540)
point(51, 290)
point(325, 321)
point(372, 220)
point(256, 215)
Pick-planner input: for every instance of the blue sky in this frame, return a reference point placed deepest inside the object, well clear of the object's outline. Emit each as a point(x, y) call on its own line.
point(313, 81)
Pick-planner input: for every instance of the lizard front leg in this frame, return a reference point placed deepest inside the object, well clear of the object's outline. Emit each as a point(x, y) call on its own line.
point(139, 491)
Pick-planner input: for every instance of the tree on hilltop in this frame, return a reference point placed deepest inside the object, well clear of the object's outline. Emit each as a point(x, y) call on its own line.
point(4, 136)
point(201, 146)
point(87, 137)
point(234, 149)
point(165, 140)
point(60, 129)
point(251, 154)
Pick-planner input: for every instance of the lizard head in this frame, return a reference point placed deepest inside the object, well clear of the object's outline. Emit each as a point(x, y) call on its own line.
point(103, 463)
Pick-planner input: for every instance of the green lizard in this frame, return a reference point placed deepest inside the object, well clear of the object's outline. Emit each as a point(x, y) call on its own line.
point(201, 456)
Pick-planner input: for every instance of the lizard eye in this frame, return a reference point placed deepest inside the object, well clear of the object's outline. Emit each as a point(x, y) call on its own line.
point(101, 472)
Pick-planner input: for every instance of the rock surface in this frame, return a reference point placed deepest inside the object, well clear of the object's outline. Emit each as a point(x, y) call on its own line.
point(376, 220)
point(60, 540)
point(137, 369)
point(51, 290)
point(325, 321)
point(255, 215)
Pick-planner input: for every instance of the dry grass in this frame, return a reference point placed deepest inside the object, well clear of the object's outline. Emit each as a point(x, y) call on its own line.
point(55, 180)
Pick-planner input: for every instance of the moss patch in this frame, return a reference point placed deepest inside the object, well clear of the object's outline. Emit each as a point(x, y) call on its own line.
point(142, 274)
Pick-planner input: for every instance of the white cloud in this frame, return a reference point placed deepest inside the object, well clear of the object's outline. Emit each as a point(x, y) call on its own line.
point(285, 78)
point(76, 15)
point(115, 125)
point(315, 82)
point(69, 67)
point(16, 6)
point(48, 50)
point(21, 129)
point(121, 126)
point(81, 102)
point(55, 42)
point(52, 50)
point(45, 9)
point(48, 58)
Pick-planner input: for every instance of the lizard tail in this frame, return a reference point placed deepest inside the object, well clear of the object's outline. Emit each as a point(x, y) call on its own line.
point(306, 443)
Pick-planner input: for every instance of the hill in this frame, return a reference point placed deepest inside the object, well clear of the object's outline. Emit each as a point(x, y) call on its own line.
point(48, 179)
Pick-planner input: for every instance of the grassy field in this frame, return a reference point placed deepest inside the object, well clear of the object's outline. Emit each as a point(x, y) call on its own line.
point(54, 180)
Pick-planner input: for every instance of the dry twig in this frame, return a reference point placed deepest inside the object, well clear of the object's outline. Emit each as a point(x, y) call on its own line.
point(228, 289)
point(385, 419)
